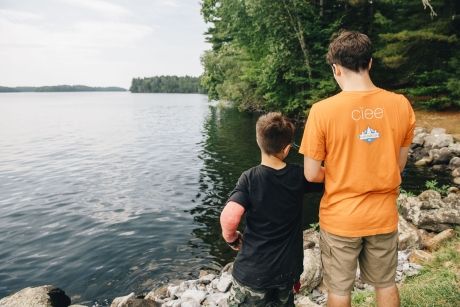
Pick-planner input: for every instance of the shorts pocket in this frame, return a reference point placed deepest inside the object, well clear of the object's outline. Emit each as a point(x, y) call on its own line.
point(324, 247)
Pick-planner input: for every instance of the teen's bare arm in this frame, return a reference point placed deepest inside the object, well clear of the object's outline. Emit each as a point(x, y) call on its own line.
point(403, 153)
point(313, 170)
point(229, 220)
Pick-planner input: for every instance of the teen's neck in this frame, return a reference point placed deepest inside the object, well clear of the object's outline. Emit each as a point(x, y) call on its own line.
point(272, 161)
point(357, 82)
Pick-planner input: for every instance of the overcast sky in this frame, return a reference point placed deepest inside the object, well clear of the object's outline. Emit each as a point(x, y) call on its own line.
point(98, 42)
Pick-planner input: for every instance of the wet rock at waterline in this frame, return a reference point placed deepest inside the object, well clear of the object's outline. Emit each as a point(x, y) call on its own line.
point(43, 296)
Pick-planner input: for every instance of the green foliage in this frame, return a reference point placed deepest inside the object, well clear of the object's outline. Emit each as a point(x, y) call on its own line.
point(433, 185)
point(270, 55)
point(166, 84)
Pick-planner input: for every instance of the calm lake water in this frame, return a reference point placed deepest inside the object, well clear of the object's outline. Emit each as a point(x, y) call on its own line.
point(102, 194)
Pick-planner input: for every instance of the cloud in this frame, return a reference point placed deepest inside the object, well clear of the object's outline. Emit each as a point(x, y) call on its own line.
point(172, 3)
point(100, 6)
point(19, 16)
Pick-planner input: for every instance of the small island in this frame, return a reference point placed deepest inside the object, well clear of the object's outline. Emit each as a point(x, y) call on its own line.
point(167, 84)
point(60, 88)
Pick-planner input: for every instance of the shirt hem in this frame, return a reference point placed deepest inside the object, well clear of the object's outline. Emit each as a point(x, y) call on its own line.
point(363, 233)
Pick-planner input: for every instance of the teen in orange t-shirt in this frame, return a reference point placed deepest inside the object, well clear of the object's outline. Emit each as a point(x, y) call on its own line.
point(363, 135)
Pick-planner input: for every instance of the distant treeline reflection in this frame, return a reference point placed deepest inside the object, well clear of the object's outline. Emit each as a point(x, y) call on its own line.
point(167, 84)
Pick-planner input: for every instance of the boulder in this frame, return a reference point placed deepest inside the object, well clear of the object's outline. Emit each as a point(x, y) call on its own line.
point(131, 300)
point(216, 299)
point(441, 156)
point(454, 163)
point(194, 295)
point(418, 153)
point(312, 272)
point(438, 131)
point(456, 172)
point(304, 301)
point(409, 237)
point(225, 281)
point(438, 140)
point(310, 238)
point(419, 138)
point(428, 211)
point(457, 180)
point(455, 148)
point(43, 296)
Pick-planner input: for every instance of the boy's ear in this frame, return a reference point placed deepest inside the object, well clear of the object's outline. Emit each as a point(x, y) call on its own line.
point(286, 149)
point(370, 64)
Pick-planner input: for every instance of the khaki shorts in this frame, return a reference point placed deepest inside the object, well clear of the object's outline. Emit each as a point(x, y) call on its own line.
point(377, 256)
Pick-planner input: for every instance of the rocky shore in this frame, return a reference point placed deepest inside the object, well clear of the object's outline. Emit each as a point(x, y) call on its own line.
point(425, 222)
point(438, 150)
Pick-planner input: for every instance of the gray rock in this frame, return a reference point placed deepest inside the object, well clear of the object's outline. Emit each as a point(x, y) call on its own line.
point(419, 153)
point(304, 301)
point(189, 303)
point(310, 238)
point(455, 148)
point(225, 281)
point(441, 156)
point(312, 273)
point(195, 295)
point(456, 172)
point(437, 131)
point(457, 180)
point(438, 140)
point(454, 163)
point(419, 138)
point(419, 130)
point(429, 195)
point(429, 212)
point(131, 300)
point(423, 161)
point(409, 236)
point(43, 296)
point(207, 279)
point(158, 294)
point(217, 299)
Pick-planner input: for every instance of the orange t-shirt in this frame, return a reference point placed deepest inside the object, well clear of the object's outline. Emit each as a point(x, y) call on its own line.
point(358, 135)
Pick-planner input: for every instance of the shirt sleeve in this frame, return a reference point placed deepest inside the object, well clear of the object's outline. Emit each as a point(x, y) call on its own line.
point(410, 130)
point(313, 141)
point(240, 193)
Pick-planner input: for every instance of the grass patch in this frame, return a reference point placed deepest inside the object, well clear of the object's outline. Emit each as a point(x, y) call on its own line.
point(438, 284)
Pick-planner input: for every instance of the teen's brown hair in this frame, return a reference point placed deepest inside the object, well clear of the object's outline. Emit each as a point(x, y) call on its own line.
point(352, 50)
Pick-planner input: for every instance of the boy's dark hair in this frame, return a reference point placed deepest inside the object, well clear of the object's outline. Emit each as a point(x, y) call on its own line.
point(274, 132)
point(352, 50)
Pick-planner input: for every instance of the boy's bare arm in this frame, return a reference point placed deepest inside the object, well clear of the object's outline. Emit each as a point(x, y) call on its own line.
point(313, 170)
point(230, 219)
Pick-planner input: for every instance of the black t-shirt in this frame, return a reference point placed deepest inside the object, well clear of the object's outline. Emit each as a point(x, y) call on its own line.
point(272, 250)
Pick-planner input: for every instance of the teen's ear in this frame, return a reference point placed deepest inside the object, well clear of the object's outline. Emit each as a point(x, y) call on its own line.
point(337, 69)
point(370, 64)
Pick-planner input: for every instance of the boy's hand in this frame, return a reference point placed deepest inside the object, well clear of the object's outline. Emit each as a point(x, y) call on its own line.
point(236, 245)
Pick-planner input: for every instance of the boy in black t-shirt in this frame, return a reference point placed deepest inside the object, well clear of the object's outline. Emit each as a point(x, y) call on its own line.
point(270, 259)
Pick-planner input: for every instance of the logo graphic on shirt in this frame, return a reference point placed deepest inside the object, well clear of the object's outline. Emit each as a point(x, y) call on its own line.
point(369, 135)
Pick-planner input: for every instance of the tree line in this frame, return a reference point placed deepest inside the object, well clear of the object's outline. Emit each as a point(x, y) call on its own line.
point(270, 55)
point(167, 84)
